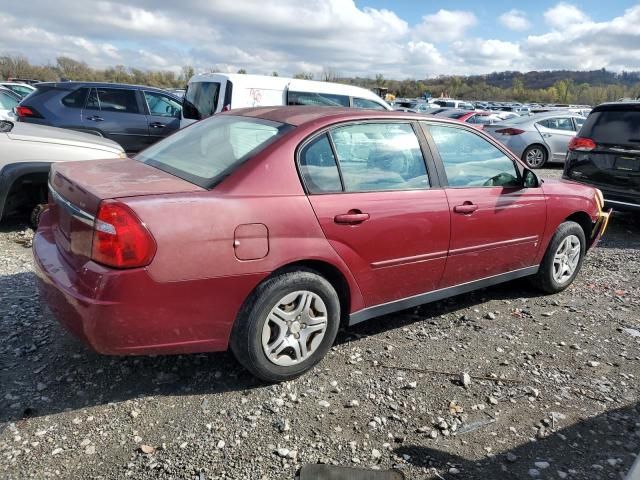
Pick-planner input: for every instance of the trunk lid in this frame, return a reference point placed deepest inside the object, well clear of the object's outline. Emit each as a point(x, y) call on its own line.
point(77, 188)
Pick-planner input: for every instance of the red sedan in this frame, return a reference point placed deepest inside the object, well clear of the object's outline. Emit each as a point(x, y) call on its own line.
point(264, 230)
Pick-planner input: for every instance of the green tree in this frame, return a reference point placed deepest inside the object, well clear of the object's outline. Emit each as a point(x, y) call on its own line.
point(242, 71)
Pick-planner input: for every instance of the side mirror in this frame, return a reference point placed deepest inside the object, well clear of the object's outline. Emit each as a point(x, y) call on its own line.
point(530, 179)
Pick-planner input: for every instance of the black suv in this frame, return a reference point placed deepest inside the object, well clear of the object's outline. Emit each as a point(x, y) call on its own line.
point(606, 154)
point(134, 116)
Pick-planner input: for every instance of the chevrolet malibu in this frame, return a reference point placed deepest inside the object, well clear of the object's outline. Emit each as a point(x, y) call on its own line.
point(265, 230)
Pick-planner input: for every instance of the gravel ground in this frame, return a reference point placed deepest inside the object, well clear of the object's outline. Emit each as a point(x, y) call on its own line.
point(500, 383)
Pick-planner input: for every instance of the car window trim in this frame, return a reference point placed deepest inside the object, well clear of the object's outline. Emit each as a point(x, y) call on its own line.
point(327, 129)
point(440, 164)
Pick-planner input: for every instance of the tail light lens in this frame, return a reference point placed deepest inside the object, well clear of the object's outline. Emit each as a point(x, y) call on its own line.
point(23, 112)
point(120, 239)
point(510, 131)
point(582, 144)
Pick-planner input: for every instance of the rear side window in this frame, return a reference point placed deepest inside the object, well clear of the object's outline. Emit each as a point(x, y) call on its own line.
point(76, 99)
point(379, 157)
point(617, 127)
point(471, 161)
point(200, 100)
point(368, 104)
point(318, 167)
point(7, 102)
point(119, 100)
point(559, 123)
point(208, 151)
point(321, 99)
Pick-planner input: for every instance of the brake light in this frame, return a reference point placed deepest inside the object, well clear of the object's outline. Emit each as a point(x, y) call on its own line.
point(120, 239)
point(23, 112)
point(510, 131)
point(582, 144)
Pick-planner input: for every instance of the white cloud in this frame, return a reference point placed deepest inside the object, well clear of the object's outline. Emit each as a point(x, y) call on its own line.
point(515, 20)
point(445, 25)
point(564, 15)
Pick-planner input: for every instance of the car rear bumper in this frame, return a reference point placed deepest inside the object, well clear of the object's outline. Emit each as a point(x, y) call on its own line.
point(121, 312)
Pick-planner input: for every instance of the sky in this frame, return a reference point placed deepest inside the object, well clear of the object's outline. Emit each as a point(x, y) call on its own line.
point(398, 39)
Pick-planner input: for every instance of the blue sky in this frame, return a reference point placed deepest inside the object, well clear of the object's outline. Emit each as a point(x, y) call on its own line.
point(399, 39)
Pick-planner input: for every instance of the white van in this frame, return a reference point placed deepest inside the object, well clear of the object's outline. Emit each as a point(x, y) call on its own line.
point(211, 93)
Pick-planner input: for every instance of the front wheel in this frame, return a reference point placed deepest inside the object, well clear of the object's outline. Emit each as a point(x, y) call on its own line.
point(535, 156)
point(563, 258)
point(287, 326)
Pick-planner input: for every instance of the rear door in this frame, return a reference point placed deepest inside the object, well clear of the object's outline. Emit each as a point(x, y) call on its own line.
point(117, 113)
point(163, 115)
point(496, 224)
point(556, 133)
point(379, 206)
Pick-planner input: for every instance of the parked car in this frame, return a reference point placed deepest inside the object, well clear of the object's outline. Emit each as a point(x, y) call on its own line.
point(8, 102)
point(253, 230)
point(20, 89)
point(538, 139)
point(28, 151)
point(457, 104)
point(211, 93)
point(134, 116)
point(606, 153)
point(476, 118)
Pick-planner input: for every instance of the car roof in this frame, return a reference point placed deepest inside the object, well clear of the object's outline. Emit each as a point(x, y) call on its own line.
point(633, 105)
point(72, 85)
point(300, 115)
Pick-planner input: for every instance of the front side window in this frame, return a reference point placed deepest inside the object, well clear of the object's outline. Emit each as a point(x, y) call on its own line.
point(368, 104)
point(380, 156)
point(162, 105)
point(471, 161)
point(208, 151)
point(200, 100)
point(318, 167)
point(113, 100)
point(319, 99)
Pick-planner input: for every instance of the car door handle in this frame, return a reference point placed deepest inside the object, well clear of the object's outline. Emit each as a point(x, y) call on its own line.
point(546, 135)
point(157, 125)
point(95, 118)
point(353, 217)
point(466, 208)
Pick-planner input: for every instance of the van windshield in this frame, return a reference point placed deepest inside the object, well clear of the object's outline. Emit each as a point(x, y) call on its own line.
point(200, 100)
point(206, 152)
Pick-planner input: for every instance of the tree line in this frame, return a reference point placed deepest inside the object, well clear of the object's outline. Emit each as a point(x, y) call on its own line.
point(561, 86)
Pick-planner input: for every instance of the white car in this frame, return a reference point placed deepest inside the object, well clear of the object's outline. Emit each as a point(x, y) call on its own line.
point(8, 102)
point(20, 89)
point(27, 151)
point(211, 93)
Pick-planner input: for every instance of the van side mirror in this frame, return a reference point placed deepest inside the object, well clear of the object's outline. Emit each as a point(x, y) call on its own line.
point(530, 179)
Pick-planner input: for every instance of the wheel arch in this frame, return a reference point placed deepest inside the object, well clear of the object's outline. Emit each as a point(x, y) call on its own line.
point(15, 174)
point(584, 220)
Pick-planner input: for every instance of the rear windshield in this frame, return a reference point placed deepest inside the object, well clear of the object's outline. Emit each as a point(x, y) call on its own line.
point(206, 152)
point(452, 114)
point(617, 127)
point(200, 100)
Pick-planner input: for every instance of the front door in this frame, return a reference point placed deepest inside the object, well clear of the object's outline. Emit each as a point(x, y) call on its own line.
point(496, 224)
point(377, 207)
point(163, 115)
point(116, 114)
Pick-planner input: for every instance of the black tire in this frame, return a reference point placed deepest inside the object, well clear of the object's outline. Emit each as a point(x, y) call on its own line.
point(544, 279)
point(36, 213)
point(246, 338)
point(528, 154)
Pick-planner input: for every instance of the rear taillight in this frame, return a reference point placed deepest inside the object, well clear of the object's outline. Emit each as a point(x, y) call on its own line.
point(23, 112)
point(120, 239)
point(581, 144)
point(510, 131)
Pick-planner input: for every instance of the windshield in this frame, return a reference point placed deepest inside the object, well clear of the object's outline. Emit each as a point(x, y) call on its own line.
point(200, 100)
point(208, 151)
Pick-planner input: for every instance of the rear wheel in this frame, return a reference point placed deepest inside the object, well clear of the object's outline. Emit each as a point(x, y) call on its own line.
point(36, 213)
point(287, 326)
point(535, 156)
point(563, 259)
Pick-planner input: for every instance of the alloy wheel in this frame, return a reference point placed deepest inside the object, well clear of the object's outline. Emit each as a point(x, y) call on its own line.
point(535, 157)
point(294, 328)
point(566, 259)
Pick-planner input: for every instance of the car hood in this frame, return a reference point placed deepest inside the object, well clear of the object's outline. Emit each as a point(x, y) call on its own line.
point(29, 132)
point(556, 187)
